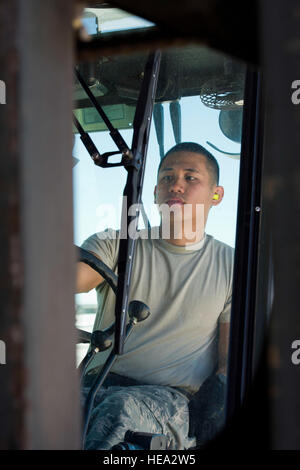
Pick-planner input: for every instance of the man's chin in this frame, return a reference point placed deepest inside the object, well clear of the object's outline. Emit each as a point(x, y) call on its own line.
point(175, 204)
point(175, 208)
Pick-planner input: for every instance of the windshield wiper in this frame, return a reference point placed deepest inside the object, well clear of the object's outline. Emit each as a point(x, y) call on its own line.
point(134, 161)
point(114, 133)
point(133, 191)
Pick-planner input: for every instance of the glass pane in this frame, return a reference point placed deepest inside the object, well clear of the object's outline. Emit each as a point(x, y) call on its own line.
point(115, 82)
point(208, 102)
point(104, 19)
point(199, 99)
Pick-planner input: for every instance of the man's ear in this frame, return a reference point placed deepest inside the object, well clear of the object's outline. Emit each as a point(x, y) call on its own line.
point(218, 195)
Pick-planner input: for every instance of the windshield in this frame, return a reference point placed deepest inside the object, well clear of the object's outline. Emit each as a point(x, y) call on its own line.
point(199, 99)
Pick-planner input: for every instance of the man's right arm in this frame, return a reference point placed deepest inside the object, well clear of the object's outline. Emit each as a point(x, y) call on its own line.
point(87, 278)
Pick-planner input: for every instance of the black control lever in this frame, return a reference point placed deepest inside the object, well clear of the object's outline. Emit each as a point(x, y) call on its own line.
point(99, 342)
point(138, 311)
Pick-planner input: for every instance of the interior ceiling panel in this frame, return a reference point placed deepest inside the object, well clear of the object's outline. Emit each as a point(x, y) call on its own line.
point(228, 26)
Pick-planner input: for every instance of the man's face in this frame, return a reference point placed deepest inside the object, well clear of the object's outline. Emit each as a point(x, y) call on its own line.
point(184, 179)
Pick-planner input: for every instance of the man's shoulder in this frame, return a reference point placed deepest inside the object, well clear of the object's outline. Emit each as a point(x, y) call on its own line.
point(219, 243)
point(108, 233)
point(106, 239)
point(220, 247)
point(111, 238)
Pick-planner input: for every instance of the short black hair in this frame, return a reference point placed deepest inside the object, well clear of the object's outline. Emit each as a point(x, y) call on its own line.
point(211, 162)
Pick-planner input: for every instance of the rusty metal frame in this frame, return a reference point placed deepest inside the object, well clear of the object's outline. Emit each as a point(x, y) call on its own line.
point(39, 393)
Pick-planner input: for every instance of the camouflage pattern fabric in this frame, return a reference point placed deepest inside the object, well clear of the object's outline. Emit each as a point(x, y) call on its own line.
point(145, 408)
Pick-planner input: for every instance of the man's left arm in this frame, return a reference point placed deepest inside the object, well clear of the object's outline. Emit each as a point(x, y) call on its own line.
point(208, 404)
point(223, 344)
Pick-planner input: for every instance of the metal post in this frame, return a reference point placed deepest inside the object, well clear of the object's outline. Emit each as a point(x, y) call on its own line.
point(12, 373)
point(39, 395)
point(280, 38)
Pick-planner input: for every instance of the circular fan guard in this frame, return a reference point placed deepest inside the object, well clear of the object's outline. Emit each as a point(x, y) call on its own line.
point(223, 93)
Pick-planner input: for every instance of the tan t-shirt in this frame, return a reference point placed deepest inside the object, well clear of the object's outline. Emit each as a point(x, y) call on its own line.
point(188, 289)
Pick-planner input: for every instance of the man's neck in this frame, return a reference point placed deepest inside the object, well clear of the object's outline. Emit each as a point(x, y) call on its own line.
point(182, 238)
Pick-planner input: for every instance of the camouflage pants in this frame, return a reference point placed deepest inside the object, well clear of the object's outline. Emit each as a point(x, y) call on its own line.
point(145, 408)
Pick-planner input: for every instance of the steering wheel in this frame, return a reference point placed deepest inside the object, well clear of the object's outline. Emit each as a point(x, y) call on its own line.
point(110, 277)
point(98, 265)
